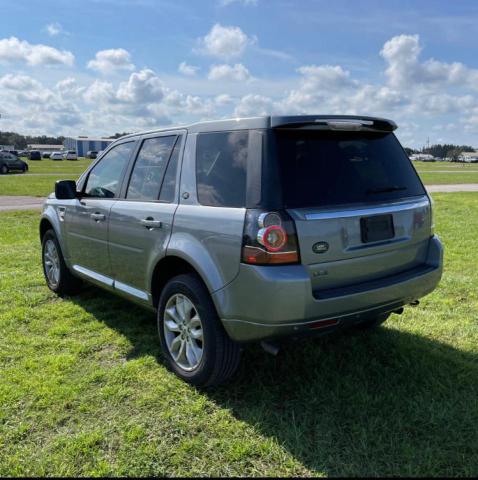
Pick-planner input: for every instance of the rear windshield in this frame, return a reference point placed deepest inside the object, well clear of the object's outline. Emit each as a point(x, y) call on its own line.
point(324, 168)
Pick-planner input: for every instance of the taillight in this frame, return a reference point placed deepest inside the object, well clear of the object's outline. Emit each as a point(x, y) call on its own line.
point(269, 238)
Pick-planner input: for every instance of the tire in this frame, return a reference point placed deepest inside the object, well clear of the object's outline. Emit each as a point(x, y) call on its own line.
point(61, 281)
point(215, 357)
point(373, 323)
point(3, 169)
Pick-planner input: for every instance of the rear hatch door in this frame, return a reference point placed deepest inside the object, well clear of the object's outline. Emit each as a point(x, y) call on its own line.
point(360, 209)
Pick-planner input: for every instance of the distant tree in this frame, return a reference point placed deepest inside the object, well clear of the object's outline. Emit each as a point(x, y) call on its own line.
point(446, 150)
point(454, 154)
point(118, 135)
point(409, 151)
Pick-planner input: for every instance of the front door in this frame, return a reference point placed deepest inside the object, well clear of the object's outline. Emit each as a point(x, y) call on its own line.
point(87, 221)
point(141, 223)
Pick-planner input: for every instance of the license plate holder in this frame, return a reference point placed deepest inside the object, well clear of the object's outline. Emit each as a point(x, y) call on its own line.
point(377, 228)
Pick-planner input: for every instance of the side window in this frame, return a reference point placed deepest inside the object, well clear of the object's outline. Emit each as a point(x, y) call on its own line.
point(221, 168)
point(169, 183)
point(149, 168)
point(104, 180)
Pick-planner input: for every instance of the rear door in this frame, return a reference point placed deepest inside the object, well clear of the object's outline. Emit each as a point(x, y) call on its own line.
point(360, 209)
point(141, 221)
point(86, 222)
point(13, 162)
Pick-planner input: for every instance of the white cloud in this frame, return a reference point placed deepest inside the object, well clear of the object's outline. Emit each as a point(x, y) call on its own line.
point(325, 77)
point(223, 99)
point(108, 61)
point(236, 73)
point(145, 97)
point(13, 50)
point(251, 105)
point(405, 70)
point(225, 42)
point(54, 29)
point(144, 86)
point(19, 82)
point(68, 88)
point(189, 70)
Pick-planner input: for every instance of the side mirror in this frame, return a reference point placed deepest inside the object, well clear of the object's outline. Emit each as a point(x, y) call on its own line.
point(65, 189)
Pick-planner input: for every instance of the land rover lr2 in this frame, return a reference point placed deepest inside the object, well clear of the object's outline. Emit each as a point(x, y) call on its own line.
point(244, 230)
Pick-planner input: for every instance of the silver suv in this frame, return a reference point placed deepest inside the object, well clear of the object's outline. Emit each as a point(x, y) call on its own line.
point(247, 230)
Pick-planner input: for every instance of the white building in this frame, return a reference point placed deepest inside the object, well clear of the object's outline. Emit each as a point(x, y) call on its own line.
point(83, 144)
point(44, 147)
point(468, 157)
point(424, 157)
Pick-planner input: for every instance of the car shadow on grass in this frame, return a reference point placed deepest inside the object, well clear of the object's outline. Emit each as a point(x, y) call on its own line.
point(380, 403)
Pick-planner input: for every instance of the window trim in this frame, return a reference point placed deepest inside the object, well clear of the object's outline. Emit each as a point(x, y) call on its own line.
point(129, 174)
point(84, 178)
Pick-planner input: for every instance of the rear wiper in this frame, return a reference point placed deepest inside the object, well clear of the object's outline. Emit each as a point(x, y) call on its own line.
point(391, 188)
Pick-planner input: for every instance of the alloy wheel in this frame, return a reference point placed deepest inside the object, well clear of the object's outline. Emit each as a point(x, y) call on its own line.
point(51, 261)
point(183, 332)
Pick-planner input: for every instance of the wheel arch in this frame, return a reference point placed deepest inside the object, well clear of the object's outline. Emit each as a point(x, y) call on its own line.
point(50, 221)
point(167, 268)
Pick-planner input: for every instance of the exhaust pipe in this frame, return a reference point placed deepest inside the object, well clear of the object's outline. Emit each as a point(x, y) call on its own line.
point(415, 303)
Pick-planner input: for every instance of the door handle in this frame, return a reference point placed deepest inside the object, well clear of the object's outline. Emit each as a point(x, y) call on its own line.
point(97, 217)
point(151, 223)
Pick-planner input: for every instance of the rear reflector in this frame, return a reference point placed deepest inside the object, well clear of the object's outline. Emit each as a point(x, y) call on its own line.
point(324, 324)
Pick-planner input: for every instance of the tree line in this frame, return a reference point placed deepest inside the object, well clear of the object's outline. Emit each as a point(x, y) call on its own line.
point(20, 142)
point(447, 150)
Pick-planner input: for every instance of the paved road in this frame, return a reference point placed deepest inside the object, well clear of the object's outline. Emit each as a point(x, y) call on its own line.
point(20, 203)
point(463, 187)
point(28, 203)
point(447, 171)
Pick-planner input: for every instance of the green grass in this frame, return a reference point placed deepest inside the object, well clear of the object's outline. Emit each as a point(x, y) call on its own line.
point(42, 185)
point(453, 166)
point(429, 178)
point(83, 390)
point(440, 173)
point(55, 166)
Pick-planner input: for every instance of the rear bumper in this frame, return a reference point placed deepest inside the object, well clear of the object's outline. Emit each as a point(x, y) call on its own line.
point(270, 302)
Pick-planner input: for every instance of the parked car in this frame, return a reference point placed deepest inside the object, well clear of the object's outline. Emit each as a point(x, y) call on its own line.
point(70, 155)
point(46, 154)
point(23, 153)
point(56, 156)
point(10, 162)
point(91, 154)
point(250, 230)
point(34, 155)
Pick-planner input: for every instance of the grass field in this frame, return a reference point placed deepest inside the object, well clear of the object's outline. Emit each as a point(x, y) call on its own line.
point(432, 173)
point(441, 173)
point(83, 390)
point(41, 177)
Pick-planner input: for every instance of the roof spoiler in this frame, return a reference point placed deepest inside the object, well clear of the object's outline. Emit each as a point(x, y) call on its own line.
point(334, 122)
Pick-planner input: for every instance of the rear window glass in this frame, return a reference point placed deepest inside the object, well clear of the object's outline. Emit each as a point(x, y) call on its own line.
point(221, 167)
point(323, 168)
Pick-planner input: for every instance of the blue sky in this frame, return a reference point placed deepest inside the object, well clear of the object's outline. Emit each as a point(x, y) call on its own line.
point(101, 66)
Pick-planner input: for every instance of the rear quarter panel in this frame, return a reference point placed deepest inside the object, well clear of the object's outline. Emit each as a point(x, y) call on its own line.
point(210, 238)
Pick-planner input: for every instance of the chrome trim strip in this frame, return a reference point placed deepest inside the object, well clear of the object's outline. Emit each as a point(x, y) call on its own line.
point(95, 276)
point(367, 211)
point(131, 290)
